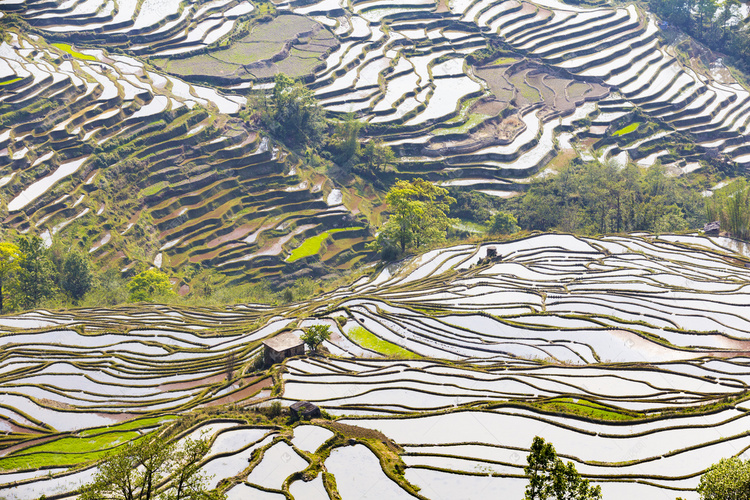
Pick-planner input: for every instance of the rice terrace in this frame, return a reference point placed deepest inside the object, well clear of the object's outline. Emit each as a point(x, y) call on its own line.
point(366, 249)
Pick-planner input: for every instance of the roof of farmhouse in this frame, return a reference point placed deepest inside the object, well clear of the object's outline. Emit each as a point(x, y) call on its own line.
point(283, 342)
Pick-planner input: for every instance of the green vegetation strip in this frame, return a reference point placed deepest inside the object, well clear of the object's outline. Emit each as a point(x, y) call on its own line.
point(67, 451)
point(311, 246)
point(68, 49)
point(12, 81)
point(626, 130)
point(368, 340)
point(585, 408)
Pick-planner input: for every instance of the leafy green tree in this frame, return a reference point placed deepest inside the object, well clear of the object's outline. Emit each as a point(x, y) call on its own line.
point(10, 257)
point(550, 478)
point(731, 207)
point(503, 223)
point(344, 141)
point(35, 274)
point(149, 285)
point(727, 480)
point(315, 335)
point(296, 115)
point(417, 215)
point(76, 277)
point(151, 469)
point(377, 157)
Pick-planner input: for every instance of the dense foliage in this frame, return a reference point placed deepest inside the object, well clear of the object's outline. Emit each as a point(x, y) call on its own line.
point(295, 114)
point(718, 24)
point(417, 217)
point(727, 480)
point(599, 198)
point(149, 285)
point(550, 478)
point(731, 207)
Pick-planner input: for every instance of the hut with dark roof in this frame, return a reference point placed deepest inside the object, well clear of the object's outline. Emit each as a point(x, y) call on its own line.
point(280, 347)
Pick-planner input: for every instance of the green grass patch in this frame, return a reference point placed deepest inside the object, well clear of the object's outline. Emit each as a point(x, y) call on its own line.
point(470, 226)
point(68, 49)
point(474, 119)
point(140, 423)
point(503, 60)
point(67, 451)
point(153, 189)
point(588, 409)
point(12, 81)
point(311, 246)
point(628, 129)
point(368, 340)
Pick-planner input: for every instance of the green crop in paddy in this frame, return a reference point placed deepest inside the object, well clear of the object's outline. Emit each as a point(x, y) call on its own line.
point(474, 119)
point(628, 129)
point(67, 451)
point(78, 55)
point(14, 80)
point(153, 189)
point(368, 340)
point(311, 246)
point(141, 423)
point(586, 408)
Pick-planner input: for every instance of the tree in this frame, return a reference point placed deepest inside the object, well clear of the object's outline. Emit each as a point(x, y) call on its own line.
point(150, 469)
point(296, 114)
point(76, 276)
point(149, 285)
point(550, 478)
point(727, 480)
point(35, 275)
point(315, 335)
point(376, 157)
point(503, 223)
point(10, 257)
point(417, 215)
point(344, 141)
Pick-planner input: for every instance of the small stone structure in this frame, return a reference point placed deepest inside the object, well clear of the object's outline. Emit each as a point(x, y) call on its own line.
point(281, 347)
point(305, 410)
point(712, 228)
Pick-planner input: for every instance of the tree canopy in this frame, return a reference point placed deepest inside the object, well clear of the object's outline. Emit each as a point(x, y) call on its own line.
point(550, 478)
point(296, 114)
point(10, 258)
point(76, 278)
point(149, 285)
point(315, 335)
point(594, 198)
point(727, 480)
point(150, 469)
point(417, 217)
point(731, 207)
point(36, 275)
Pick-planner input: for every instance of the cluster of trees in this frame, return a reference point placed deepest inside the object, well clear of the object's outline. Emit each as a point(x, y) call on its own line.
point(368, 160)
point(417, 218)
point(295, 117)
point(716, 23)
point(30, 273)
point(731, 207)
point(593, 198)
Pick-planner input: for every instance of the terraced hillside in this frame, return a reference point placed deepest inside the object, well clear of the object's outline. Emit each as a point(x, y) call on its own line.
point(473, 94)
point(147, 168)
point(628, 353)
